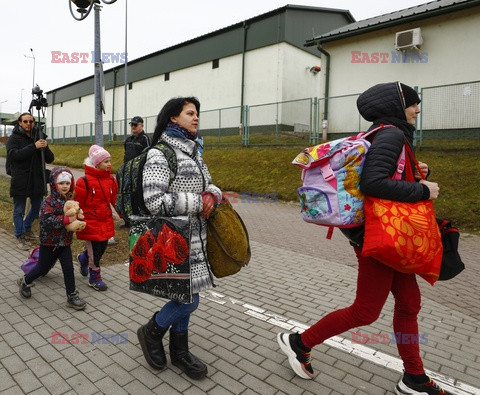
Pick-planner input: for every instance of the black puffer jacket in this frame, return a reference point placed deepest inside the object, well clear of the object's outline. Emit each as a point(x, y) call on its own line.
point(383, 104)
point(26, 164)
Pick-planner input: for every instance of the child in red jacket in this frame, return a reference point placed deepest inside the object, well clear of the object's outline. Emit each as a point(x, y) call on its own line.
point(96, 192)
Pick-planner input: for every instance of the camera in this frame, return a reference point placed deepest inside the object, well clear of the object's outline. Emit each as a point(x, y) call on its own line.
point(38, 100)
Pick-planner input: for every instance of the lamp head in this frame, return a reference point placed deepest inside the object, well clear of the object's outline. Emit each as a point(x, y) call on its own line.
point(82, 5)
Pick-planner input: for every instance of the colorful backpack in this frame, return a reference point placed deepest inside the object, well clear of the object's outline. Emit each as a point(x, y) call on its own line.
point(130, 184)
point(330, 194)
point(32, 260)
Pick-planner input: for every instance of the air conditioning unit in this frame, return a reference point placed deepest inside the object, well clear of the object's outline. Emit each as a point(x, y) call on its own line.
point(408, 39)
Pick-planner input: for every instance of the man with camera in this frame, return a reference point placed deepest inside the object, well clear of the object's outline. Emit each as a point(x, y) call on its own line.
point(27, 169)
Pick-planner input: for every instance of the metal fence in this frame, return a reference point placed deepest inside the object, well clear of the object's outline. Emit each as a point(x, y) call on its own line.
point(448, 112)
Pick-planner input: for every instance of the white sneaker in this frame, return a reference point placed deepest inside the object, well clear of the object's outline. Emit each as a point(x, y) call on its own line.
point(299, 360)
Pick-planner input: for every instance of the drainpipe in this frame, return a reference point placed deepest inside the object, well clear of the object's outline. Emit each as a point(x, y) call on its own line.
point(115, 71)
point(53, 106)
point(326, 94)
point(245, 28)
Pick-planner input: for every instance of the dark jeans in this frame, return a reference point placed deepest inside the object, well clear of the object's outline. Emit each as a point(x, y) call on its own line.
point(47, 259)
point(176, 315)
point(19, 203)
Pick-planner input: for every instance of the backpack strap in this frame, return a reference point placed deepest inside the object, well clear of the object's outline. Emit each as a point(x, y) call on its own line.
point(364, 135)
point(401, 159)
point(400, 165)
point(86, 182)
point(171, 158)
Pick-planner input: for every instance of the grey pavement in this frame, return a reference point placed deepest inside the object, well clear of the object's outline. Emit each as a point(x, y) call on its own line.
point(294, 278)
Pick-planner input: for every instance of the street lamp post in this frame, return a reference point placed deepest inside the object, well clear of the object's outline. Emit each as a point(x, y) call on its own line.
point(32, 57)
point(21, 99)
point(97, 80)
point(84, 8)
point(1, 102)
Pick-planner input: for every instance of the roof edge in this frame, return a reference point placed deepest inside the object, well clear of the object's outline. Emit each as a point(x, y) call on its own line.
point(214, 33)
point(416, 17)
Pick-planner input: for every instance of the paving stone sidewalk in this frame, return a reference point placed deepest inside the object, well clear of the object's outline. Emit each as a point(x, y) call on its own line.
point(295, 276)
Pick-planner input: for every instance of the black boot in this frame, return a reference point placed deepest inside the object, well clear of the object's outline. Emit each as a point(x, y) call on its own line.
point(150, 336)
point(184, 359)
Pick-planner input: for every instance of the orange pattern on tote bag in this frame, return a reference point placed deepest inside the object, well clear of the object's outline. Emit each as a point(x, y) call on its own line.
point(404, 235)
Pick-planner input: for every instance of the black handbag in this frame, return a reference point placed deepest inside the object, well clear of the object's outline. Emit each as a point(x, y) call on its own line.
point(452, 264)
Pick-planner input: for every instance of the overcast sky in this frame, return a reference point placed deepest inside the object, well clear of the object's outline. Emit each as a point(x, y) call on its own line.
point(47, 26)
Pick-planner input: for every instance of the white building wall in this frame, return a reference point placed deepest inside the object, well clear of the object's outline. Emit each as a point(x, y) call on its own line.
point(277, 74)
point(272, 74)
point(450, 55)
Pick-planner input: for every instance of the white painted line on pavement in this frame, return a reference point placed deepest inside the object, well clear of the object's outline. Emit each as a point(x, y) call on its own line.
point(448, 383)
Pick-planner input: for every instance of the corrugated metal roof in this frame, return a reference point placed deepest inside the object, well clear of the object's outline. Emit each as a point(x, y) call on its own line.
point(280, 10)
point(394, 18)
point(248, 21)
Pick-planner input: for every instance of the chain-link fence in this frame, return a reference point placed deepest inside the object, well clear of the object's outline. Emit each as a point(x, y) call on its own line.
point(448, 113)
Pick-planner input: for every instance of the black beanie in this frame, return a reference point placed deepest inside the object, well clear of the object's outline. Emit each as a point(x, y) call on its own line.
point(410, 96)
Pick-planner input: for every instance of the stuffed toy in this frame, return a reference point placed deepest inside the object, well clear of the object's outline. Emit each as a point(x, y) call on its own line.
point(72, 209)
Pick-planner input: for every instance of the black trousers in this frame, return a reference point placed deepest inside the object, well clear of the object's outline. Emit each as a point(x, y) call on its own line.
point(47, 258)
point(95, 249)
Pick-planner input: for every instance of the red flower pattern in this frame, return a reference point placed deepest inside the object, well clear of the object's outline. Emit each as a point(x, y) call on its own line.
point(140, 270)
point(150, 255)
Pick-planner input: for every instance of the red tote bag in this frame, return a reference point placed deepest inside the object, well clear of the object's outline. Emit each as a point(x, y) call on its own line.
point(404, 235)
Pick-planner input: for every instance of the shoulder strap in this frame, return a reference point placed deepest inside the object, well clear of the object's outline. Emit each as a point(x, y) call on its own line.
point(414, 160)
point(366, 134)
point(171, 158)
point(86, 182)
point(400, 165)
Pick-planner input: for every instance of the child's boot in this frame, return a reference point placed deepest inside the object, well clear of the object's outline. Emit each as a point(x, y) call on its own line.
point(24, 288)
point(74, 300)
point(95, 280)
point(83, 260)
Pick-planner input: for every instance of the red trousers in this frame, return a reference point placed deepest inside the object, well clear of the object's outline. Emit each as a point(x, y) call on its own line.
point(375, 281)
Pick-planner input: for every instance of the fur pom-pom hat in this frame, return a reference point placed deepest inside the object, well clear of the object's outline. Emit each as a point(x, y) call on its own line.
point(98, 154)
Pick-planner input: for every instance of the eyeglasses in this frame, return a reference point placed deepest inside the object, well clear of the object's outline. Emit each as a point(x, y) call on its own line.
point(24, 121)
point(134, 124)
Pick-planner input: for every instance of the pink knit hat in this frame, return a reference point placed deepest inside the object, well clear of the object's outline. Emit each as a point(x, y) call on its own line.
point(98, 154)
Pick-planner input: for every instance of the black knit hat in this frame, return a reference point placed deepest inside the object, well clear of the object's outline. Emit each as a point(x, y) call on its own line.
point(410, 95)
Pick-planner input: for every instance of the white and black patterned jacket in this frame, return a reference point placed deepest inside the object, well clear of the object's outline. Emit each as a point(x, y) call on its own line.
point(183, 196)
